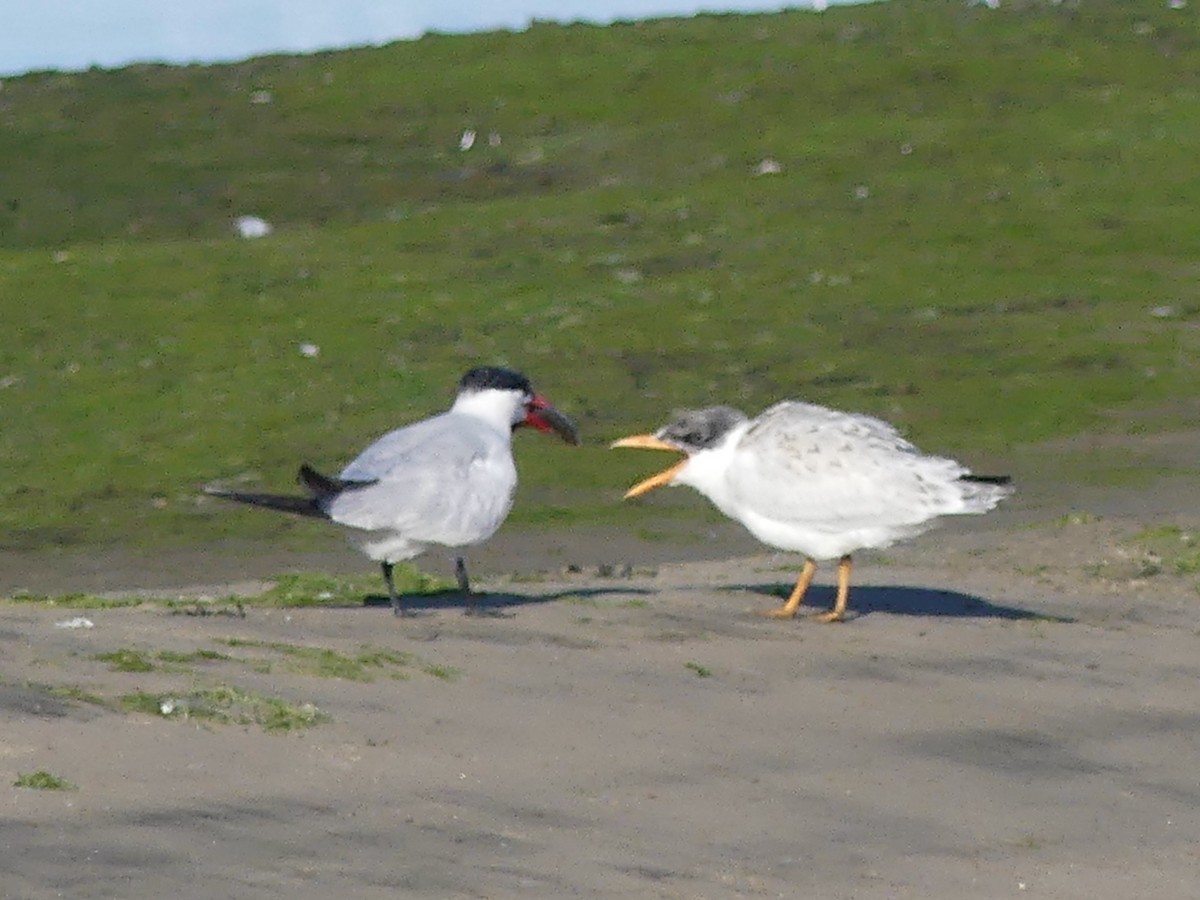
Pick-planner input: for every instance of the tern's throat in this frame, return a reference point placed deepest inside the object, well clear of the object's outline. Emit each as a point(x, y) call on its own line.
point(708, 472)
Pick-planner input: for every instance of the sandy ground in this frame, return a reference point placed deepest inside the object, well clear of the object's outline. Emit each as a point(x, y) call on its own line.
point(1011, 712)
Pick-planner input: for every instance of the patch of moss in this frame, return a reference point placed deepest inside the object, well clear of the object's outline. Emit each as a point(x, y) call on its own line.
point(226, 705)
point(42, 780)
point(126, 661)
point(325, 662)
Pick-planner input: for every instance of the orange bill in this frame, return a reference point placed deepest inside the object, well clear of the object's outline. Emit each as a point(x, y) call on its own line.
point(650, 442)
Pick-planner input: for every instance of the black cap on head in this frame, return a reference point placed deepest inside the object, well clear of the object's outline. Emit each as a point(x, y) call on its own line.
point(483, 378)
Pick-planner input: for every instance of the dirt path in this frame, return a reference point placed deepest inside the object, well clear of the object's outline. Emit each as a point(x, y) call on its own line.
point(1012, 712)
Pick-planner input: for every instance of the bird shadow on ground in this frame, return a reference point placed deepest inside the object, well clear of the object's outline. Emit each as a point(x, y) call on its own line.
point(903, 601)
point(492, 603)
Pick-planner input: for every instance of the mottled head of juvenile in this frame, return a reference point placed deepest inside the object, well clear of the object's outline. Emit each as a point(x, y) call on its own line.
point(493, 391)
point(699, 429)
point(690, 432)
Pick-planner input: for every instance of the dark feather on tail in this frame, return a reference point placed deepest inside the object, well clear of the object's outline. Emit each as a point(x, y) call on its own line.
point(987, 479)
point(323, 486)
point(300, 506)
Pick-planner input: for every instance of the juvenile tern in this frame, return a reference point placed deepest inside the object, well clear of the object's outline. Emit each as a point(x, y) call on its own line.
point(444, 481)
point(817, 481)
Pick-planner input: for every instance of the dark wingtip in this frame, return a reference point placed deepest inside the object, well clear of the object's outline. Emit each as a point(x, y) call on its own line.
point(301, 506)
point(310, 478)
point(323, 486)
point(988, 479)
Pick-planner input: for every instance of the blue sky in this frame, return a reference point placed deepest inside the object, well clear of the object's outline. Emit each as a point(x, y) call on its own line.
point(76, 34)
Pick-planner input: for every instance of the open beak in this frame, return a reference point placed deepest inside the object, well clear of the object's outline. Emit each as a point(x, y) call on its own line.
point(541, 414)
point(650, 442)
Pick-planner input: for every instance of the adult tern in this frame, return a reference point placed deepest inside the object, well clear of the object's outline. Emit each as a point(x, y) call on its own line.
point(814, 480)
point(444, 481)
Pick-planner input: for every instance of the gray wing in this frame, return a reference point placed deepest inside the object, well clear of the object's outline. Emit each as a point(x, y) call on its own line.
point(442, 480)
point(428, 437)
point(806, 464)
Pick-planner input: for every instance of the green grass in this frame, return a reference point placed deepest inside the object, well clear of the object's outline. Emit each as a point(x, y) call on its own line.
point(42, 780)
point(443, 672)
point(223, 704)
point(1169, 548)
point(77, 694)
point(126, 661)
point(1157, 551)
point(323, 662)
point(226, 705)
point(701, 671)
point(328, 663)
point(179, 658)
point(290, 590)
point(978, 214)
point(312, 589)
point(76, 600)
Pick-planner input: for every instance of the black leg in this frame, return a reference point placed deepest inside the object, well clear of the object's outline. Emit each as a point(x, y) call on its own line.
point(397, 609)
point(464, 583)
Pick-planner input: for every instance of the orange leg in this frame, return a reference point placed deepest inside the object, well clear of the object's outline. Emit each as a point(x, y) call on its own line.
point(838, 613)
point(788, 610)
